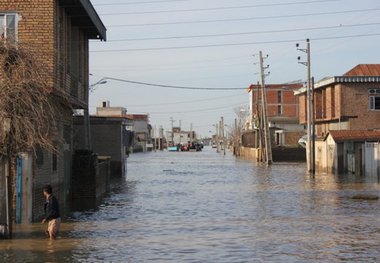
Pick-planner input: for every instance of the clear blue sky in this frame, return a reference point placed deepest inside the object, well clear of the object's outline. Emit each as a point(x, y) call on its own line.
point(163, 42)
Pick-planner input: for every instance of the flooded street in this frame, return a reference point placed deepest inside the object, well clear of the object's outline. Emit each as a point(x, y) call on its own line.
point(206, 207)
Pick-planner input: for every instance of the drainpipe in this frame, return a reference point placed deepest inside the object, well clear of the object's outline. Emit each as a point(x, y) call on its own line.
point(7, 127)
point(7, 195)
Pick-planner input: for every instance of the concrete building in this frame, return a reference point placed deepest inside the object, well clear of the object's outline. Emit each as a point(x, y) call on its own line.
point(109, 138)
point(350, 151)
point(142, 131)
point(57, 33)
point(180, 137)
point(349, 104)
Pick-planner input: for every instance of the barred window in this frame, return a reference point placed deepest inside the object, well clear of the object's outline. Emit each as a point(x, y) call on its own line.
point(8, 27)
point(374, 99)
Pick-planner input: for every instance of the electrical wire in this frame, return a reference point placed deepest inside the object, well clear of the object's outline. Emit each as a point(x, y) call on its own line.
point(199, 110)
point(233, 44)
point(141, 2)
point(242, 33)
point(184, 102)
point(163, 86)
point(219, 8)
point(249, 18)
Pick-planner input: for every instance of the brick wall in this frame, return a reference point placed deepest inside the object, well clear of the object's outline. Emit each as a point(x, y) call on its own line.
point(355, 105)
point(35, 30)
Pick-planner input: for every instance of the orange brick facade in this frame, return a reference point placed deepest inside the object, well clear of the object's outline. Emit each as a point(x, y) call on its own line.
point(281, 101)
point(342, 106)
point(45, 28)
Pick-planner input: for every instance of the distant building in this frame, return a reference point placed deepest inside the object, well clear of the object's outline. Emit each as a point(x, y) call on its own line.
point(142, 131)
point(178, 136)
point(282, 107)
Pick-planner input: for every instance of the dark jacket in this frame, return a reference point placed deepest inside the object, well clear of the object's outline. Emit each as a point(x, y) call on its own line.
point(51, 208)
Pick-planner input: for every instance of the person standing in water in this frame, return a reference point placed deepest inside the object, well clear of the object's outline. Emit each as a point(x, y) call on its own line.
point(52, 216)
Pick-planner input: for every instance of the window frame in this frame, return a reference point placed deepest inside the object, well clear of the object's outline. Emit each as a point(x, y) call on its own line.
point(16, 20)
point(374, 94)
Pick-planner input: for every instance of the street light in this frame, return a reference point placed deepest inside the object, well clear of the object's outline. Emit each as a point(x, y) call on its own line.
point(86, 116)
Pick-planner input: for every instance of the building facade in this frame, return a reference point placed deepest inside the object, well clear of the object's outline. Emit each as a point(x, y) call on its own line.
point(282, 109)
point(57, 34)
point(349, 104)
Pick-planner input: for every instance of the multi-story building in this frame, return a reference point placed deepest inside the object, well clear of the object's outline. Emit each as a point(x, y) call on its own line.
point(282, 109)
point(57, 33)
point(349, 104)
point(142, 132)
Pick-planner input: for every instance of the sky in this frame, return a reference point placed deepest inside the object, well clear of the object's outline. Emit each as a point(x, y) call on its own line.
point(210, 44)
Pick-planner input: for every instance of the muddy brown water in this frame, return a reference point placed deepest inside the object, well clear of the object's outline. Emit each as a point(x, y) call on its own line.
point(206, 207)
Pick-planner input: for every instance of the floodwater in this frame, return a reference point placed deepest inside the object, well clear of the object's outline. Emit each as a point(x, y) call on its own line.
point(206, 207)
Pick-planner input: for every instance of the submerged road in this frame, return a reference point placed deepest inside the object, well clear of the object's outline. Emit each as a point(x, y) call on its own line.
point(206, 207)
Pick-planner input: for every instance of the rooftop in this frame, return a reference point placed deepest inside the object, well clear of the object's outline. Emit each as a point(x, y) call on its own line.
point(364, 70)
point(355, 135)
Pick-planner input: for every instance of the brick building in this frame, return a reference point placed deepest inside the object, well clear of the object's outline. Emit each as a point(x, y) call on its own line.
point(282, 107)
point(57, 33)
point(350, 104)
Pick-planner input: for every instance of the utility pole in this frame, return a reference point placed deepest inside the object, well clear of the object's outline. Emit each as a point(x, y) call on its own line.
point(224, 140)
point(267, 139)
point(236, 138)
point(191, 133)
point(160, 135)
point(180, 132)
point(310, 110)
point(172, 132)
point(217, 137)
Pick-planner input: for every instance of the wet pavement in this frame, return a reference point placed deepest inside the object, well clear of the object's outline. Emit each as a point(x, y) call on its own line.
point(206, 207)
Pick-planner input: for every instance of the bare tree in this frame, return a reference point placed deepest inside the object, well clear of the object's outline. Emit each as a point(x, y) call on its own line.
point(29, 113)
point(28, 108)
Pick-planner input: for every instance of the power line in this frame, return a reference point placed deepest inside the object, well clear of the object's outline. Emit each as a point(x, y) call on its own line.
point(242, 33)
point(199, 110)
point(179, 102)
point(184, 102)
point(218, 8)
point(248, 18)
point(142, 2)
point(166, 86)
point(234, 44)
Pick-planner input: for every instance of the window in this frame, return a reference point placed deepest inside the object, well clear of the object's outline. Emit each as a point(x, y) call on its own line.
point(374, 99)
point(279, 96)
point(279, 109)
point(8, 27)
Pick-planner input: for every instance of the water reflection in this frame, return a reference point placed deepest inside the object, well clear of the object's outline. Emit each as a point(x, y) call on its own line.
point(204, 207)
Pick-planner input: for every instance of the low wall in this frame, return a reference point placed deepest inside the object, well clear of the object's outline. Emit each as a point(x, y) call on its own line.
point(90, 180)
point(279, 154)
point(249, 153)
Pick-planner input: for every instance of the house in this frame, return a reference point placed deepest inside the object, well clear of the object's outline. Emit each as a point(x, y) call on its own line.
point(284, 127)
point(282, 108)
point(350, 151)
point(350, 104)
point(180, 137)
point(57, 33)
point(142, 132)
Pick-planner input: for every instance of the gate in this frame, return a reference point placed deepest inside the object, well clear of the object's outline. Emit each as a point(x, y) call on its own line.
point(372, 159)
